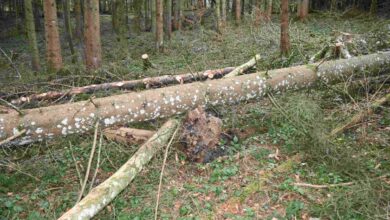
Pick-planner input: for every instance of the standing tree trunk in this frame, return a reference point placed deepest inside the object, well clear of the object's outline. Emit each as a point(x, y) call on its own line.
point(284, 36)
point(373, 7)
point(32, 38)
point(218, 16)
point(53, 46)
point(176, 7)
point(269, 8)
point(121, 30)
point(159, 25)
point(303, 9)
point(93, 50)
point(37, 14)
point(168, 19)
point(78, 19)
point(153, 13)
point(223, 13)
point(238, 11)
point(68, 28)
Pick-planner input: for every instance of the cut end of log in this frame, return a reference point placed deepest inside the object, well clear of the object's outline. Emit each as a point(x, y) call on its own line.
point(145, 56)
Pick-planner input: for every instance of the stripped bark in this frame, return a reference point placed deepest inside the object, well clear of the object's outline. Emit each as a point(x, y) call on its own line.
point(127, 136)
point(361, 115)
point(103, 194)
point(128, 85)
point(244, 67)
point(80, 117)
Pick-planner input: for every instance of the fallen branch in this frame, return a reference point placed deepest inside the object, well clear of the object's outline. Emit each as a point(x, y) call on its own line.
point(361, 115)
point(103, 194)
point(80, 117)
point(322, 186)
point(158, 81)
point(244, 67)
point(127, 136)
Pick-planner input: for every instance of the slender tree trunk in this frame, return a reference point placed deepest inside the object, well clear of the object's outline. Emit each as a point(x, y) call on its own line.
point(269, 8)
point(32, 38)
point(168, 19)
point(93, 50)
point(284, 29)
point(238, 11)
point(53, 46)
point(78, 19)
point(175, 22)
point(159, 25)
point(121, 31)
point(68, 28)
point(218, 16)
point(223, 13)
point(153, 13)
point(37, 14)
point(303, 9)
point(80, 117)
point(374, 7)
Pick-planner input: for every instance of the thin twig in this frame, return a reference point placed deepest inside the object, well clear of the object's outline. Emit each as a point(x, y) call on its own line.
point(12, 106)
point(162, 172)
point(76, 165)
point(13, 166)
point(97, 162)
point(12, 63)
point(12, 137)
point(89, 163)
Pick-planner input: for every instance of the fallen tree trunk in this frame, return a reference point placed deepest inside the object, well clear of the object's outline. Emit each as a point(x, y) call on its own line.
point(158, 81)
point(103, 194)
point(81, 116)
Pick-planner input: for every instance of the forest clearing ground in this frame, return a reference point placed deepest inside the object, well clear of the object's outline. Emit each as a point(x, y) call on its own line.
point(246, 184)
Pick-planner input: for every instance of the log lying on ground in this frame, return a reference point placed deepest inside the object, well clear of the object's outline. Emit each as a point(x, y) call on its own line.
point(80, 117)
point(103, 194)
point(127, 136)
point(361, 115)
point(158, 81)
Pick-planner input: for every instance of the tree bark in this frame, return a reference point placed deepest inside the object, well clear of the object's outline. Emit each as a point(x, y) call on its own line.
point(128, 136)
point(93, 50)
point(269, 8)
point(53, 46)
point(78, 20)
point(218, 20)
point(80, 117)
point(238, 11)
point(159, 25)
point(32, 38)
point(121, 30)
point(373, 7)
point(303, 9)
point(223, 13)
point(68, 28)
point(244, 67)
point(153, 15)
point(103, 194)
point(168, 19)
point(146, 83)
point(284, 29)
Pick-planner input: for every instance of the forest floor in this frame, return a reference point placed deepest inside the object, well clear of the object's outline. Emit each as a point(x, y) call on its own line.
point(256, 179)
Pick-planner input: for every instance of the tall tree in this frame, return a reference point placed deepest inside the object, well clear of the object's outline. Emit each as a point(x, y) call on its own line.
point(121, 30)
point(68, 28)
point(53, 46)
point(32, 38)
point(303, 9)
point(153, 7)
point(159, 25)
point(373, 7)
point(269, 8)
point(93, 50)
point(238, 11)
point(284, 30)
point(168, 16)
point(218, 15)
point(78, 19)
point(223, 12)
